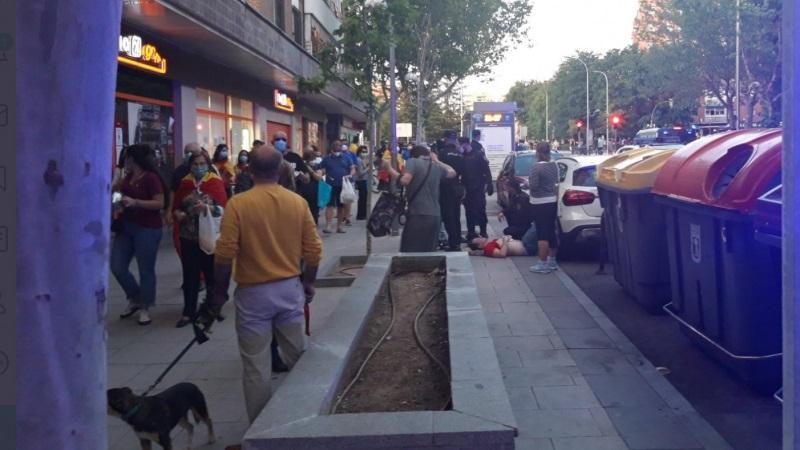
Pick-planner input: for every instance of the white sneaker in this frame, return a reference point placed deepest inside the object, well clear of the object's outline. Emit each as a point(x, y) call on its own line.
point(132, 308)
point(541, 267)
point(144, 317)
point(551, 263)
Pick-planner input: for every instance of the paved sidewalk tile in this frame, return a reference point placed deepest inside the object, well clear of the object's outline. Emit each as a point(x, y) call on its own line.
point(565, 397)
point(593, 443)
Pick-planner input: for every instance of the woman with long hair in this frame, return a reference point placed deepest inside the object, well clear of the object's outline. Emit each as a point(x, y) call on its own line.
point(200, 192)
point(220, 160)
point(138, 230)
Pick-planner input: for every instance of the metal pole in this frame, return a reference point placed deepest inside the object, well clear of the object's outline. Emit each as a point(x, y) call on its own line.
point(738, 33)
point(607, 116)
point(587, 104)
point(392, 95)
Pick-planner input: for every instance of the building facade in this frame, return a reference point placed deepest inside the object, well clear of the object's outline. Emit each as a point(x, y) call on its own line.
point(226, 71)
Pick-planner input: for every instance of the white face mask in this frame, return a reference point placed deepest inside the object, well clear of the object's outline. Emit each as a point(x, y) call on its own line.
point(344, 147)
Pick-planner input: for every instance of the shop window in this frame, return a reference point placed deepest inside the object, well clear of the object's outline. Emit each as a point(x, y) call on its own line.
point(280, 14)
point(210, 100)
point(143, 122)
point(242, 134)
point(210, 131)
point(240, 107)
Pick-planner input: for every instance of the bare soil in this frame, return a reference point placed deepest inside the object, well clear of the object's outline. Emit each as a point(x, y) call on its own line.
point(400, 376)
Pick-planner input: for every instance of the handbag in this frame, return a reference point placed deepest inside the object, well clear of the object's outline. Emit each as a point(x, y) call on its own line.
point(348, 194)
point(323, 193)
point(208, 232)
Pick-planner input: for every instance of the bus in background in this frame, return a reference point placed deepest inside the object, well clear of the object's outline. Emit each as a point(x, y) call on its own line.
point(495, 120)
point(677, 134)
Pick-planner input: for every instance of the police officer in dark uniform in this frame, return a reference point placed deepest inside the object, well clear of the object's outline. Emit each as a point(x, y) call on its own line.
point(477, 180)
point(451, 191)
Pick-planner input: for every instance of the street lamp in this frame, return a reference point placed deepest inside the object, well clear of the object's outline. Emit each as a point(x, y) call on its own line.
point(652, 114)
point(546, 113)
point(587, 99)
point(738, 34)
point(606, 77)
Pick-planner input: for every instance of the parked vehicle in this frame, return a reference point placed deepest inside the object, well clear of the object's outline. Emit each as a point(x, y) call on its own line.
point(515, 169)
point(667, 135)
point(579, 209)
point(626, 148)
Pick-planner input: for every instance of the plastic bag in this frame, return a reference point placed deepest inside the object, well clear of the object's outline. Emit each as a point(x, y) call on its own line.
point(209, 231)
point(348, 192)
point(323, 194)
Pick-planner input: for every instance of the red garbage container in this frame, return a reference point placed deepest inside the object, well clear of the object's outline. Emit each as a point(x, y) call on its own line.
point(726, 285)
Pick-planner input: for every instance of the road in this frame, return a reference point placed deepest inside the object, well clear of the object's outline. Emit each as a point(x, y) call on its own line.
point(743, 417)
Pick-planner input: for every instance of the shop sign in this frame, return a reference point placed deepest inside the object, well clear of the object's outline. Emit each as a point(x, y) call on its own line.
point(134, 52)
point(283, 101)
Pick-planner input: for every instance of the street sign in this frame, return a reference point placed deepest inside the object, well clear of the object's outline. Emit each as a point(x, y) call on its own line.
point(405, 130)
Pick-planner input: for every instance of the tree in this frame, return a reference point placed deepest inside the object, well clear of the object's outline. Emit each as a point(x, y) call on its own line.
point(65, 86)
point(438, 43)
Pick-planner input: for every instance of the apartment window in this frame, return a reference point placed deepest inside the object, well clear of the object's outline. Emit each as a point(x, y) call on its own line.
point(280, 14)
point(297, 19)
point(224, 119)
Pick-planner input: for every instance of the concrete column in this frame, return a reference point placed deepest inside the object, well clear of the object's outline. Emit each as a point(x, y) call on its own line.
point(65, 86)
point(791, 222)
point(185, 99)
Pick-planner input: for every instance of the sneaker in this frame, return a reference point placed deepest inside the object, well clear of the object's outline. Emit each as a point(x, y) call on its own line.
point(183, 322)
point(551, 263)
point(540, 267)
point(144, 318)
point(348, 223)
point(132, 308)
point(340, 230)
point(327, 230)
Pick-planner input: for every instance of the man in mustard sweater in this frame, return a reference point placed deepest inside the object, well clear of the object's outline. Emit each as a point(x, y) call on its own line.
point(265, 232)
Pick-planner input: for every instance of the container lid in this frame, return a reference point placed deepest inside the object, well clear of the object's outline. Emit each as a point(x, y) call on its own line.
point(726, 170)
point(768, 211)
point(635, 170)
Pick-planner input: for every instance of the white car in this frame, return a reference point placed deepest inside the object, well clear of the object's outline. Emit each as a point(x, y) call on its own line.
point(579, 209)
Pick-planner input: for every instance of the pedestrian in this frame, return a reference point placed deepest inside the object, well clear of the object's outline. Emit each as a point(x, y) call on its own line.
point(139, 230)
point(421, 179)
point(452, 194)
point(505, 246)
point(352, 152)
point(518, 213)
point(362, 175)
point(220, 160)
point(298, 170)
point(601, 145)
point(335, 166)
point(201, 192)
point(543, 185)
point(478, 182)
point(244, 180)
point(189, 150)
point(266, 232)
point(310, 191)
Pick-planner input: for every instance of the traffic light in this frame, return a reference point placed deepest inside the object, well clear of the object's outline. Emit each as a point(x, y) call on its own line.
point(616, 120)
point(579, 124)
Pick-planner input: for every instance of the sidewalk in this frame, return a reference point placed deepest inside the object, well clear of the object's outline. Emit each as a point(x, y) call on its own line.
point(574, 380)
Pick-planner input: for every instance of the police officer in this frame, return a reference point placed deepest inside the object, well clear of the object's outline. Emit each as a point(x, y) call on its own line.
point(451, 191)
point(477, 180)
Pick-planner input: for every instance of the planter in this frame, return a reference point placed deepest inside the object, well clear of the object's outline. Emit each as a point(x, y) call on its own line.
point(299, 415)
point(340, 272)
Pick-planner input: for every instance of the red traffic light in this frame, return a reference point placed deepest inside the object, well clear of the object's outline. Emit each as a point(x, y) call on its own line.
point(579, 123)
point(616, 120)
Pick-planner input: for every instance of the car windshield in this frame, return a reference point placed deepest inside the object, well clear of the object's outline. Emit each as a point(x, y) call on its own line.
point(522, 165)
point(585, 177)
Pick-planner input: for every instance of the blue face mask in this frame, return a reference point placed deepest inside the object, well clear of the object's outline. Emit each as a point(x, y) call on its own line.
point(199, 172)
point(223, 155)
point(243, 159)
point(280, 145)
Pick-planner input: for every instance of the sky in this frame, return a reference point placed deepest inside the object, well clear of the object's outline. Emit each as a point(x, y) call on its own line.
point(559, 28)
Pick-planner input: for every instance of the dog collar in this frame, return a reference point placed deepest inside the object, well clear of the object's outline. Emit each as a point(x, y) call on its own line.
point(132, 412)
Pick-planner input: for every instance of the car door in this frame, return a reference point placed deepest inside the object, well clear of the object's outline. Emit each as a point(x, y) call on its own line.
point(503, 179)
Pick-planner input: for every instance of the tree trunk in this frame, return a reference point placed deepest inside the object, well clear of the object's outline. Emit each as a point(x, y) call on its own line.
point(65, 84)
point(420, 116)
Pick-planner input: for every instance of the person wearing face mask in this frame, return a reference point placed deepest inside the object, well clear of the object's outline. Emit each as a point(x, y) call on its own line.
point(244, 180)
point(297, 172)
point(335, 166)
point(477, 180)
point(199, 190)
point(221, 156)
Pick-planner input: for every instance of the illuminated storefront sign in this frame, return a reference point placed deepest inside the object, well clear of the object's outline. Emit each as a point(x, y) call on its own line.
point(283, 101)
point(133, 52)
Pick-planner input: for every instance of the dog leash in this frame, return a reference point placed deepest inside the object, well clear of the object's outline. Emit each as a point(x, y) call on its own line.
point(200, 338)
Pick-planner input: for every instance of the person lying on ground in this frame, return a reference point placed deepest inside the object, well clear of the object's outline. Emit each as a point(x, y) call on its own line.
point(505, 246)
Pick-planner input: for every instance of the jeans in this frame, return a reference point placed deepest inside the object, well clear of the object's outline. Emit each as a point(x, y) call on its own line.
point(194, 261)
point(141, 242)
point(530, 241)
point(261, 310)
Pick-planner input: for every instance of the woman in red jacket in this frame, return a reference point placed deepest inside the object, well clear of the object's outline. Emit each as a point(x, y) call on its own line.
point(199, 191)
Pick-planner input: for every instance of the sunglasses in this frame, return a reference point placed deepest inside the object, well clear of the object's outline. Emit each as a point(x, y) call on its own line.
point(279, 139)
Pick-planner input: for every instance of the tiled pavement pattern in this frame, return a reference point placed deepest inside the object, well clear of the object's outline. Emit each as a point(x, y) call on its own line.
point(574, 381)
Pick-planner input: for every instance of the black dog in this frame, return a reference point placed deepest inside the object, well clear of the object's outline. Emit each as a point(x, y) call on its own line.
point(153, 418)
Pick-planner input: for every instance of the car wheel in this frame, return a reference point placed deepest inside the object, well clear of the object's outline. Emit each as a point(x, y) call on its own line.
point(565, 240)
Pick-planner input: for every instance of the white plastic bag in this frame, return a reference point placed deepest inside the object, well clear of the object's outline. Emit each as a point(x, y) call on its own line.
point(348, 192)
point(209, 230)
